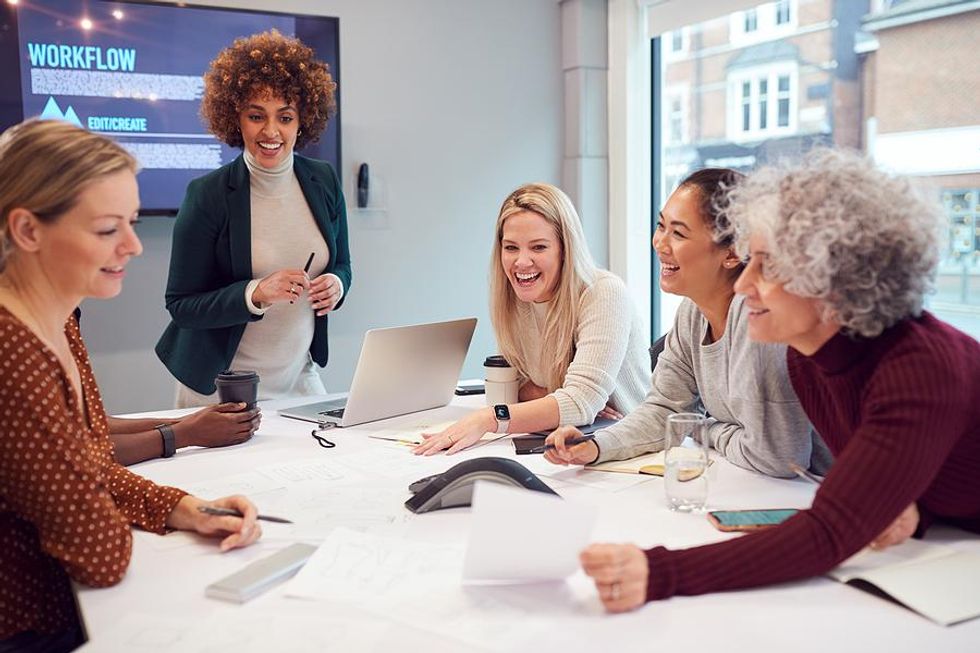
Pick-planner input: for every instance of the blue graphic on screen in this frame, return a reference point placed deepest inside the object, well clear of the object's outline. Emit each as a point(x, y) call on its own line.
point(136, 74)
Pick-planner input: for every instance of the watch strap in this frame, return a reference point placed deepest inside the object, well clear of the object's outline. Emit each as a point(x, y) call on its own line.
point(503, 423)
point(169, 439)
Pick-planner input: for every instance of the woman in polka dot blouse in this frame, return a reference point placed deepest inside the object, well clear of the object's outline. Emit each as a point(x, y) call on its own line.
point(68, 203)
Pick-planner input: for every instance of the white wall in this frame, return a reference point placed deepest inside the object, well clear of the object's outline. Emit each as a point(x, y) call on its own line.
point(453, 103)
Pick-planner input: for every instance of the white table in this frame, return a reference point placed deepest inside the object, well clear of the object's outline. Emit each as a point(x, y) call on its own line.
point(163, 590)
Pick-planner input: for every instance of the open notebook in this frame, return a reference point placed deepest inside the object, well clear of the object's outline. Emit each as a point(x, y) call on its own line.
point(651, 463)
point(938, 582)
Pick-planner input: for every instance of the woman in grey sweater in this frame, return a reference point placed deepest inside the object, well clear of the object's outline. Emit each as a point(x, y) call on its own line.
point(755, 419)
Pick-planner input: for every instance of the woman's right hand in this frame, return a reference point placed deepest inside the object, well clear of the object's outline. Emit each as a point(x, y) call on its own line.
point(579, 454)
point(235, 532)
point(281, 286)
point(459, 435)
point(620, 573)
point(219, 425)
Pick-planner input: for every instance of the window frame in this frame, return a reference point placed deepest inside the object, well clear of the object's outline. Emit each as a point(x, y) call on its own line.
point(736, 101)
point(766, 27)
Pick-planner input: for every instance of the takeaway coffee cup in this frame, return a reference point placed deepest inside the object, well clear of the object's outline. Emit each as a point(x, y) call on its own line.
point(500, 380)
point(238, 386)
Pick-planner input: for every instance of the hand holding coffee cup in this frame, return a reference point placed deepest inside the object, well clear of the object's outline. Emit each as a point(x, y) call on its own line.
point(238, 386)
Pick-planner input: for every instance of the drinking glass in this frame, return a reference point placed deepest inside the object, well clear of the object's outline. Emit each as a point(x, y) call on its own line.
point(686, 463)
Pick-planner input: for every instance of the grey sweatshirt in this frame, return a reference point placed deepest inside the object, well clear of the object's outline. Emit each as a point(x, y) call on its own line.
point(755, 419)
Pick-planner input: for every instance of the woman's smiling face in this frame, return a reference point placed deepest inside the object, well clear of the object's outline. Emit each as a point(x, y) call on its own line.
point(692, 264)
point(531, 256)
point(269, 127)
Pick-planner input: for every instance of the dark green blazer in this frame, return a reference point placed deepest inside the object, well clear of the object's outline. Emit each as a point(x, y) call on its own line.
point(211, 263)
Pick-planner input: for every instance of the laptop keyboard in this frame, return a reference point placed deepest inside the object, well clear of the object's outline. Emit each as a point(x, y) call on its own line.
point(336, 412)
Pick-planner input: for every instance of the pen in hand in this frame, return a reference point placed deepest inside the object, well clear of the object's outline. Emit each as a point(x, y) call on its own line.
point(804, 473)
point(309, 262)
point(231, 512)
point(571, 442)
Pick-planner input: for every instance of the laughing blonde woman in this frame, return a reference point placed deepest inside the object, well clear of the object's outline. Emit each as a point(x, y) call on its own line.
point(569, 328)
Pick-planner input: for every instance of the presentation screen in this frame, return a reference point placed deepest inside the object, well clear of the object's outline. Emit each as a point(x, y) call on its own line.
point(134, 72)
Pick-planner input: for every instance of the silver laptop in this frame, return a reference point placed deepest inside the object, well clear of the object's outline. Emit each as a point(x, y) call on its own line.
point(400, 370)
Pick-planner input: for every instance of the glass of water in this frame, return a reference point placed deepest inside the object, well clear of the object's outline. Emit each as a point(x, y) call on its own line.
point(686, 463)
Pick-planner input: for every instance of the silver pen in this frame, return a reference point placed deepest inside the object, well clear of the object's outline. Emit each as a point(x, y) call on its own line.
point(231, 512)
point(805, 473)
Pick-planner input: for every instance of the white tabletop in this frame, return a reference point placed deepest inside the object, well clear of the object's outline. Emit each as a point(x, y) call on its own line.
point(162, 595)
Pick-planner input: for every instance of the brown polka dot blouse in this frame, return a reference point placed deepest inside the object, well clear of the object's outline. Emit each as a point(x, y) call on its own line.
point(65, 505)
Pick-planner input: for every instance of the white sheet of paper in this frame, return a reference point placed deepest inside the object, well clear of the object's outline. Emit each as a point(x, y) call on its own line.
point(316, 509)
point(521, 536)
point(247, 483)
point(303, 470)
point(375, 573)
point(597, 480)
point(243, 630)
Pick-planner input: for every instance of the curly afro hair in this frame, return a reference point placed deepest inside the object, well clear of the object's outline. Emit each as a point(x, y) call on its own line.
point(264, 65)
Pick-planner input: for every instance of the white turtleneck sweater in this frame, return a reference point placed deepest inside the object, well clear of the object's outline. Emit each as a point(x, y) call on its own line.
point(284, 232)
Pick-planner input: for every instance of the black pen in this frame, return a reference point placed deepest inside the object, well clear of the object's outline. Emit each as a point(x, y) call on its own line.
point(568, 443)
point(231, 512)
point(309, 262)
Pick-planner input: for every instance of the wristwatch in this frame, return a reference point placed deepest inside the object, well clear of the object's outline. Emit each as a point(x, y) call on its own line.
point(169, 439)
point(502, 413)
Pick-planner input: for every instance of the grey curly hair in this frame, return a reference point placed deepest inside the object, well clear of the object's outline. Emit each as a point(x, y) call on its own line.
point(863, 242)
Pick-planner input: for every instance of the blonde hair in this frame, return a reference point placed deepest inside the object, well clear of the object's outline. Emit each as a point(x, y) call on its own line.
point(46, 164)
point(578, 272)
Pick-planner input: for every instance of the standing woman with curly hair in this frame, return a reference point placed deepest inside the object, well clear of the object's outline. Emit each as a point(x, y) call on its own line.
point(237, 294)
point(839, 256)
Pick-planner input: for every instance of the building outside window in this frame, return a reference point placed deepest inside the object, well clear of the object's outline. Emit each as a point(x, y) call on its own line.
point(768, 21)
point(781, 78)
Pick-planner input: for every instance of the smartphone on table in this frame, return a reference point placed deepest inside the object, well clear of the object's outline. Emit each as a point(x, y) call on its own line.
point(465, 388)
point(525, 444)
point(749, 520)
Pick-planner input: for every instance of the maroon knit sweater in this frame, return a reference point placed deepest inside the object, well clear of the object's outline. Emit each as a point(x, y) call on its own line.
point(901, 413)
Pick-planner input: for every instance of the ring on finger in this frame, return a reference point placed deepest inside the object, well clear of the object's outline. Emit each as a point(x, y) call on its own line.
point(451, 441)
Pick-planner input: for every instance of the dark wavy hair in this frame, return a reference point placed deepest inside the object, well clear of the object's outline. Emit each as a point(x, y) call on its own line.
point(262, 65)
point(713, 185)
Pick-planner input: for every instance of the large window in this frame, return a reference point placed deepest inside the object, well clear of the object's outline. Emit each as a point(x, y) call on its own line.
point(775, 80)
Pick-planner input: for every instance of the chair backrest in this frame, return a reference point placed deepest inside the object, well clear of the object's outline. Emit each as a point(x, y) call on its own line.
point(655, 350)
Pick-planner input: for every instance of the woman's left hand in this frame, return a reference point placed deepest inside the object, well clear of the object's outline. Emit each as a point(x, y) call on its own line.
point(900, 530)
point(609, 412)
point(325, 291)
point(458, 436)
point(237, 532)
point(620, 572)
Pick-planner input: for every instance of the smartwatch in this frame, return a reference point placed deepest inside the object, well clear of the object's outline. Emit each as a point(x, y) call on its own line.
point(502, 413)
point(169, 440)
